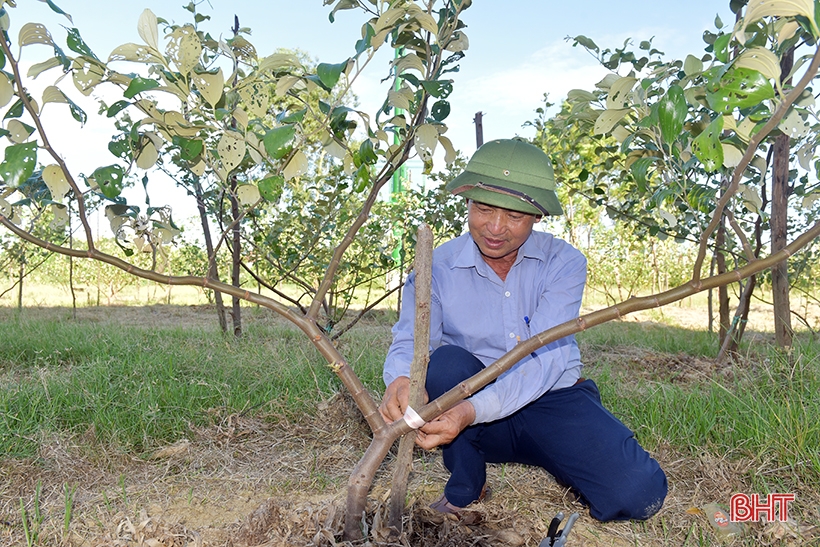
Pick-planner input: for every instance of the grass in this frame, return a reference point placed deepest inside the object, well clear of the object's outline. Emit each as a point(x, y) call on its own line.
point(135, 386)
point(763, 407)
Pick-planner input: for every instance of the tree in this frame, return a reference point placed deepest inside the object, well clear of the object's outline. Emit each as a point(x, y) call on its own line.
point(202, 132)
point(683, 127)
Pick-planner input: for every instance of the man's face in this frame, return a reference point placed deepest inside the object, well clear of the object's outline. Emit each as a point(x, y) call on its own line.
point(498, 232)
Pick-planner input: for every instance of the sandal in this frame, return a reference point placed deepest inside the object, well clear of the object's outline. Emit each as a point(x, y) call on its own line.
point(443, 506)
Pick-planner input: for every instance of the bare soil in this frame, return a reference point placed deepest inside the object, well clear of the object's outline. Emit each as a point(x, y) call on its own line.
point(263, 480)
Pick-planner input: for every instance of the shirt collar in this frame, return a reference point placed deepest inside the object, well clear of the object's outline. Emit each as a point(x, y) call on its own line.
point(470, 256)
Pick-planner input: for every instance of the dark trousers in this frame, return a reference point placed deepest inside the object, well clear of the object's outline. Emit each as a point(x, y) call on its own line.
point(568, 432)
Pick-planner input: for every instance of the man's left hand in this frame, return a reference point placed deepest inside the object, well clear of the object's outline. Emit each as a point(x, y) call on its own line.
point(446, 427)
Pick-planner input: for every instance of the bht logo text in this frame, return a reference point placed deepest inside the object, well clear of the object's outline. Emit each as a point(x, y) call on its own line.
point(744, 508)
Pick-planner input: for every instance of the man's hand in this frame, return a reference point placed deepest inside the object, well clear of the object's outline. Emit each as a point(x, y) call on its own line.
point(395, 399)
point(446, 427)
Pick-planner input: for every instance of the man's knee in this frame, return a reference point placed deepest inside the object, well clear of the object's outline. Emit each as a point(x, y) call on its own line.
point(450, 365)
point(639, 497)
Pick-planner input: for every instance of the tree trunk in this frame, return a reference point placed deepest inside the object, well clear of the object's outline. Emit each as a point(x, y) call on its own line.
point(745, 303)
point(213, 271)
point(236, 243)
point(236, 259)
point(723, 290)
point(741, 318)
point(20, 281)
point(71, 267)
point(656, 273)
point(710, 299)
point(779, 225)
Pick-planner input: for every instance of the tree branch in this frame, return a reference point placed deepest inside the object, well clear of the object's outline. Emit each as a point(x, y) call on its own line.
point(754, 142)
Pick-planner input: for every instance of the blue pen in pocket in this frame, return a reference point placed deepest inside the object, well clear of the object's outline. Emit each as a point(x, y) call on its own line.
point(529, 334)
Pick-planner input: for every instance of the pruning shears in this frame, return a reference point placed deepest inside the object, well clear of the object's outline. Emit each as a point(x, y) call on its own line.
point(556, 537)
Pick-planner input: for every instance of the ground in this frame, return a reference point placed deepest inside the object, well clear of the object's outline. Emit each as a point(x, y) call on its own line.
point(261, 480)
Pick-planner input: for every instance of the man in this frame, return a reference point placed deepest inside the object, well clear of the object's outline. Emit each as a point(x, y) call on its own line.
point(492, 287)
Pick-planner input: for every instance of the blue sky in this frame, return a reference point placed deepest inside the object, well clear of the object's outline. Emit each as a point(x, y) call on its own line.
point(517, 50)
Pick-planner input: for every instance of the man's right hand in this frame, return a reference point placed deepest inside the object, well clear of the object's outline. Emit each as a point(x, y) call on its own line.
point(395, 400)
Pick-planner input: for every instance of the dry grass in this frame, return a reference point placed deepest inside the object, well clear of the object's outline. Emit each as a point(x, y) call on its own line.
point(265, 481)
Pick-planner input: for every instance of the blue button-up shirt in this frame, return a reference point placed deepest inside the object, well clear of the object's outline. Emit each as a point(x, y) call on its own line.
point(473, 308)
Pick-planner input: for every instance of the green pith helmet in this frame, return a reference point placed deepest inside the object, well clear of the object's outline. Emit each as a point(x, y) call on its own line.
point(511, 174)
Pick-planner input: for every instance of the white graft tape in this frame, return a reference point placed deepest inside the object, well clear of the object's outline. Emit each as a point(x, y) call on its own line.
point(412, 418)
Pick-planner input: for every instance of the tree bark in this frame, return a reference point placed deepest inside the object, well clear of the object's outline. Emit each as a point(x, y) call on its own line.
point(22, 274)
point(236, 259)
point(71, 267)
point(779, 226)
point(213, 271)
point(723, 290)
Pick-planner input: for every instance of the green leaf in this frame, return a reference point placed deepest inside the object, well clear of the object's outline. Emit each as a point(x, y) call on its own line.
point(329, 74)
point(362, 179)
point(707, 147)
point(366, 152)
point(365, 42)
point(138, 85)
point(672, 111)
point(639, 171)
point(293, 117)
point(271, 187)
point(342, 5)
point(120, 146)
point(692, 65)
point(411, 79)
point(18, 164)
point(55, 9)
point(277, 141)
point(738, 88)
point(110, 179)
point(77, 45)
point(440, 110)
point(439, 89)
point(338, 119)
point(117, 107)
point(64, 61)
point(722, 47)
point(189, 149)
point(76, 112)
point(15, 111)
point(586, 42)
